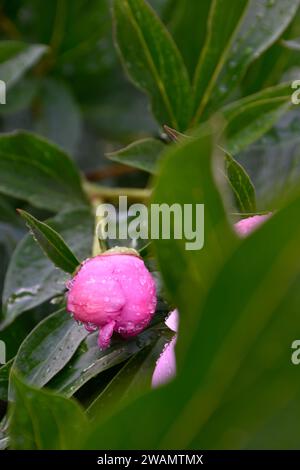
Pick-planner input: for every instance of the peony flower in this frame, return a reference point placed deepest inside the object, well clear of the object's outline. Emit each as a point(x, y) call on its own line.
point(113, 292)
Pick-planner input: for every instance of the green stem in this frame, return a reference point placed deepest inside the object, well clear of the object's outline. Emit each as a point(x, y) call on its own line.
point(95, 191)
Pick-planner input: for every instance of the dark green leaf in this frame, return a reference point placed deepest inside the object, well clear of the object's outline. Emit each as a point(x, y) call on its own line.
point(19, 97)
point(264, 23)
point(58, 118)
point(246, 120)
point(241, 184)
point(31, 278)
point(142, 154)
point(184, 16)
point(187, 275)
point(153, 62)
point(131, 381)
point(51, 243)
point(236, 377)
point(40, 420)
point(16, 58)
point(189, 162)
point(214, 53)
point(89, 360)
point(35, 170)
point(48, 348)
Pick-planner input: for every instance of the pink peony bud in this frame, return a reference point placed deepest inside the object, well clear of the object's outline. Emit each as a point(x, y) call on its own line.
point(246, 226)
point(114, 292)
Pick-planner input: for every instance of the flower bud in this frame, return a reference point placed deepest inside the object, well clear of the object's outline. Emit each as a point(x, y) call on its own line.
point(112, 292)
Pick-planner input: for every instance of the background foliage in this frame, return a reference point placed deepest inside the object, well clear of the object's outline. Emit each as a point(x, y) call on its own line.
point(178, 101)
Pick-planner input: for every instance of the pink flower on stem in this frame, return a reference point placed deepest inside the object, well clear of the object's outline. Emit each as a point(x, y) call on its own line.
point(112, 292)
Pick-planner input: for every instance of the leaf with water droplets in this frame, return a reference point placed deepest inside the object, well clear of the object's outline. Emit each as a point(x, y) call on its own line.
point(31, 277)
point(153, 61)
point(89, 360)
point(142, 154)
point(131, 381)
point(264, 23)
point(241, 184)
point(51, 243)
point(34, 170)
point(247, 119)
point(215, 50)
point(48, 348)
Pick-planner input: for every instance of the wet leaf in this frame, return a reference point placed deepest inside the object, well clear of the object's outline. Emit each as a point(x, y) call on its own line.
point(142, 154)
point(48, 348)
point(51, 243)
point(90, 361)
point(152, 61)
point(38, 172)
point(264, 23)
point(40, 420)
point(31, 278)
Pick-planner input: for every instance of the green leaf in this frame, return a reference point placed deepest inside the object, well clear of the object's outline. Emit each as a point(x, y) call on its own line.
point(131, 381)
point(187, 275)
point(40, 420)
point(252, 122)
point(16, 58)
point(264, 23)
point(90, 361)
point(142, 154)
point(236, 377)
point(19, 97)
point(253, 340)
point(47, 349)
point(246, 120)
point(214, 53)
point(4, 379)
point(189, 163)
point(241, 184)
point(15, 333)
point(31, 278)
point(184, 16)
point(58, 118)
point(152, 61)
point(51, 243)
point(38, 172)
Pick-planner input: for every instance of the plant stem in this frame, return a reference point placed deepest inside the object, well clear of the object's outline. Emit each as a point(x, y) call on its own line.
point(95, 191)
